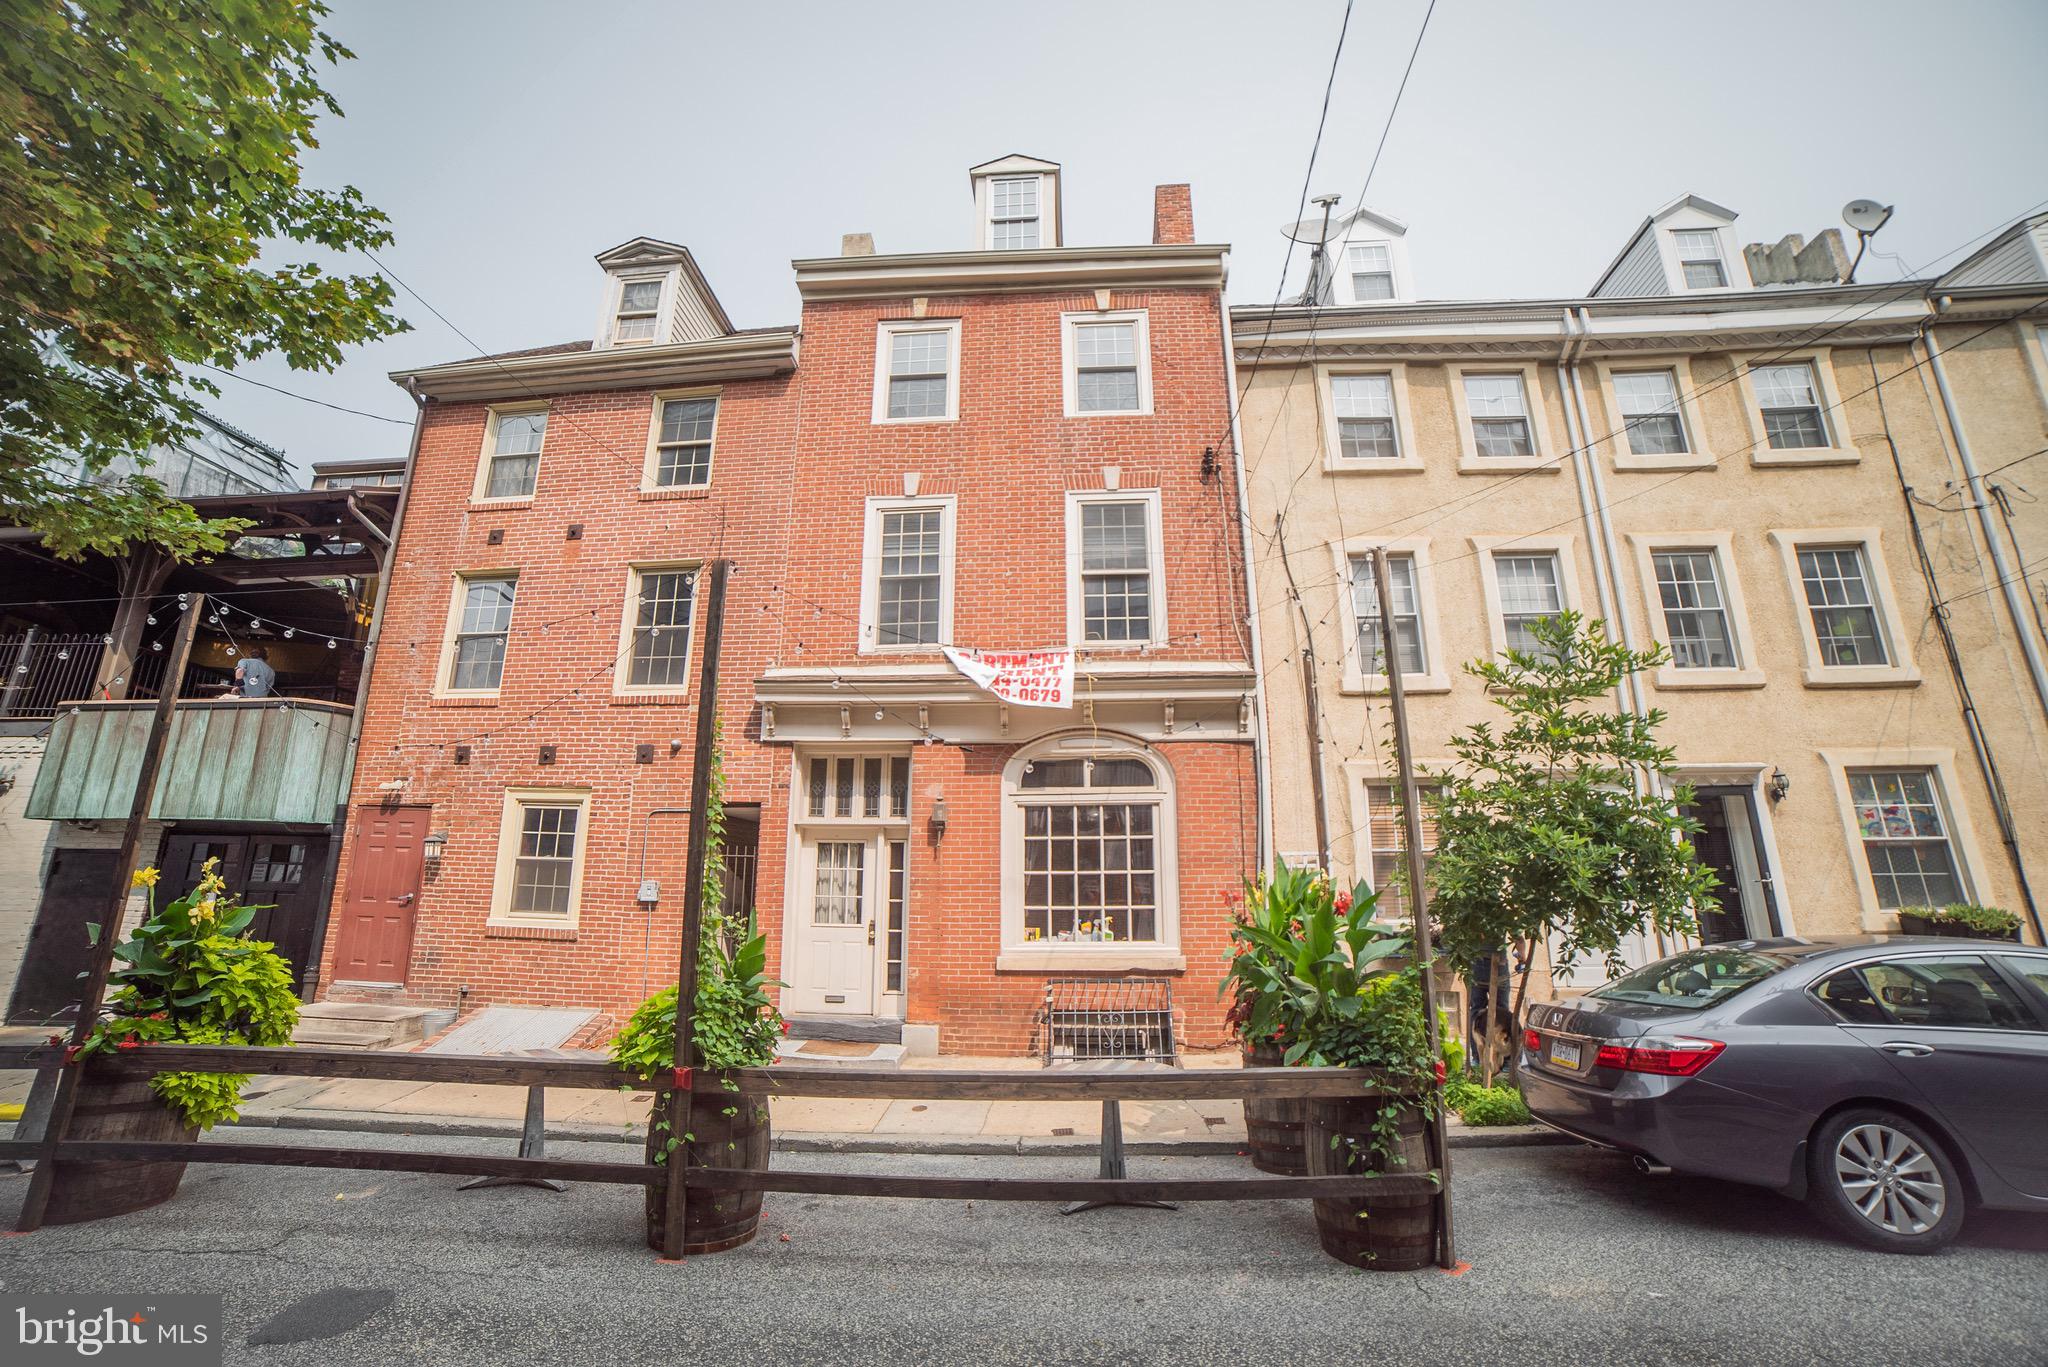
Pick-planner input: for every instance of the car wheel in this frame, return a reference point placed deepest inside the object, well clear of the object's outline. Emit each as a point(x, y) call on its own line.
point(1885, 1182)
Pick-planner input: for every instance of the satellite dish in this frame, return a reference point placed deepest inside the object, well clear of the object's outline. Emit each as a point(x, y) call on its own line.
point(1866, 215)
point(1320, 230)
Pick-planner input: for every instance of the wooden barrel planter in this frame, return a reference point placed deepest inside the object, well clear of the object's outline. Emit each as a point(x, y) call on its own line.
point(713, 1221)
point(110, 1109)
point(1379, 1233)
point(1274, 1125)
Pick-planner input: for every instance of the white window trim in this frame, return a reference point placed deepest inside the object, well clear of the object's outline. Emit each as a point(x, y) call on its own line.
point(1142, 338)
point(1048, 209)
point(1019, 955)
point(1722, 544)
point(1734, 266)
point(1901, 672)
point(664, 307)
point(1840, 450)
point(510, 826)
point(1155, 549)
point(1484, 549)
point(652, 462)
point(1695, 456)
point(483, 463)
point(1409, 462)
point(1470, 462)
point(444, 669)
point(622, 670)
point(1962, 833)
point(884, 331)
point(1355, 679)
point(2034, 346)
point(947, 506)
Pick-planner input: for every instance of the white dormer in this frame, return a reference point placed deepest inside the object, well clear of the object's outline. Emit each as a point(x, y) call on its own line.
point(1368, 261)
point(1016, 204)
point(654, 295)
point(1686, 247)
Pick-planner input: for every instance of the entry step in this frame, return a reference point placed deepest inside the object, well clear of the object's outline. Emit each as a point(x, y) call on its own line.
point(829, 1053)
point(854, 1029)
point(360, 1025)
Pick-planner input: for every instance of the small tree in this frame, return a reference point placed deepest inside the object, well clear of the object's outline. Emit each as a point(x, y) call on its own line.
point(1545, 832)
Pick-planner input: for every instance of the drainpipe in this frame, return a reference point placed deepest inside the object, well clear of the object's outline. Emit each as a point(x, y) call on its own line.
point(309, 972)
point(1261, 780)
point(1606, 522)
point(2008, 582)
point(1603, 590)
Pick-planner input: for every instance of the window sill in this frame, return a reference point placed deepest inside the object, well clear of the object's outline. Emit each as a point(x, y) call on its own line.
point(1023, 960)
point(1508, 465)
point(914, 422)
point(499, 505)
point(520, 930)
point(1805, 455)
point(661, 698)
point(1379, 465)
point(1681, 460)
point(1410, 683)
point(1145, 412)
point(463, 700)
point(1861, 676)
point(661, 493)
point(1679, 679)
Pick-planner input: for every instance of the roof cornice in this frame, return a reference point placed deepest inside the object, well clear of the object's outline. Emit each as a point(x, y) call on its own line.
point(1193, 265)
point(741, 356)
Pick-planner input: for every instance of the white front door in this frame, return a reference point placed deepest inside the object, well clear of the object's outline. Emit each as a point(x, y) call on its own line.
point(835, 928)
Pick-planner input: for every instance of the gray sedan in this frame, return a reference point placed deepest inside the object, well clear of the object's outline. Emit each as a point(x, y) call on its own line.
point(1892, 1082)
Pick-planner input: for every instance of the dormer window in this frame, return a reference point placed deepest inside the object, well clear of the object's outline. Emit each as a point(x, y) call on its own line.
point(1013, 212)
point(1699, 257)
point(639, 303)
point(1372, 271)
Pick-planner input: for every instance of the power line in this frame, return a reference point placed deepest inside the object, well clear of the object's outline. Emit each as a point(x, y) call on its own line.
point(305, 398)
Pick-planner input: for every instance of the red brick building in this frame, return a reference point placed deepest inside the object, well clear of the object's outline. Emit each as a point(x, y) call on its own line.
point(1022, 446)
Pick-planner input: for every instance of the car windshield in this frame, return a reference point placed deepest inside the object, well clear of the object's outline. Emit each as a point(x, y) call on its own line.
point(1694, 979)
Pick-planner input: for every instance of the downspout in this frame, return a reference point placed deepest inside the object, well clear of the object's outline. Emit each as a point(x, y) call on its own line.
point(1605, 522)
point(1261, 779)
point(1603, 590)
point(309, 972)
point(2008, 582)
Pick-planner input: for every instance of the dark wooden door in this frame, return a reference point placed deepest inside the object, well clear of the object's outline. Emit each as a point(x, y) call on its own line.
point(76, 892)
point(277, 874)
point(373, 941)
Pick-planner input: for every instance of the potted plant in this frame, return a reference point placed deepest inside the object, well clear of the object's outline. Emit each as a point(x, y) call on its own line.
point(189, 974)
point(1916, 921)
point(1969, 921)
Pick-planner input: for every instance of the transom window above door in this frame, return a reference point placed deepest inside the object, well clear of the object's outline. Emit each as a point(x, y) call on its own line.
point(857, 788)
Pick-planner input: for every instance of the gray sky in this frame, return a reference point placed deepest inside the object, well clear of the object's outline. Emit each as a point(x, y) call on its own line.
point(512, 141)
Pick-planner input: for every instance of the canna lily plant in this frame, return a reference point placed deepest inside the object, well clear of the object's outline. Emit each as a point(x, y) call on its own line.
point(1304, 957)
point(190, 974)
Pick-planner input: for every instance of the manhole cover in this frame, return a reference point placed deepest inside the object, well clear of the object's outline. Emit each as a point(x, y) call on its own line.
point(323, 1315)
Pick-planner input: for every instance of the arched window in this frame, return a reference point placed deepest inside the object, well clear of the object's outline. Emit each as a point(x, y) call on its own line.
point(1088, 850)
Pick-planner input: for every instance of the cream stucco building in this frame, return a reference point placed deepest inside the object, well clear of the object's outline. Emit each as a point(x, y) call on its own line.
point(1720, 449)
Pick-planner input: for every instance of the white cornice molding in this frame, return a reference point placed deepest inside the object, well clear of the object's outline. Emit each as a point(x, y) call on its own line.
point(1195, 266)
point(742, 356)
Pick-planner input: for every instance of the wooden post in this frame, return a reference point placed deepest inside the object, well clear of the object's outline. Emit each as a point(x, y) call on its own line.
point(38, 1198)
point(1418, 903)
point(693, 906)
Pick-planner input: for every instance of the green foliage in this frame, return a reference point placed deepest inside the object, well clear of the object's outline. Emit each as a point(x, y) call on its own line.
point(190, 974)
point(1497, 1105)
point(1990, 921)
point(1301, 956)
point(1541, 831)
point(150, 159)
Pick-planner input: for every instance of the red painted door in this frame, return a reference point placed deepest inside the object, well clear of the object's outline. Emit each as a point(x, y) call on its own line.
point(374, 943)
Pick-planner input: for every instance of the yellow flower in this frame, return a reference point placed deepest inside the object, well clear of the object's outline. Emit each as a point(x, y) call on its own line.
point(144, 878)
point(204, 911)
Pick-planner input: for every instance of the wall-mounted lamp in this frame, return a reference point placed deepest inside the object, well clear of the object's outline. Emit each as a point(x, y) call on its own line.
point(1780, 785)
point(938, 819)
point(433, 845)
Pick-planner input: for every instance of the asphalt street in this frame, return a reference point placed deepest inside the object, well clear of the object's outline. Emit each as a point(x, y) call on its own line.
point(1575, 1259)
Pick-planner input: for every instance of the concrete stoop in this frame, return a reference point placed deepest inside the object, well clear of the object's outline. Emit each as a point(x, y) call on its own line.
point(820, 1053)
point(360, 1025)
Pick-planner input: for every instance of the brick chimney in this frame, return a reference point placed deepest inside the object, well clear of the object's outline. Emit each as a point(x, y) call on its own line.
point(1173, 215)
point(1795, 261)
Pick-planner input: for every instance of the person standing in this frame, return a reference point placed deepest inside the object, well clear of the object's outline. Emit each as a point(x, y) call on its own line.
point(254, 678)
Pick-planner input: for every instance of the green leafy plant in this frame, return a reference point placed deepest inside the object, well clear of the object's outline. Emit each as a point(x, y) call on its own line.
point(190, 974)
point(1996, 922)
point(1301, 952)
point(1501, 1104)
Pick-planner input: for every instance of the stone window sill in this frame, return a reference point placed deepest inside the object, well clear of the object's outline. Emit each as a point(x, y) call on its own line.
point(1090, 960)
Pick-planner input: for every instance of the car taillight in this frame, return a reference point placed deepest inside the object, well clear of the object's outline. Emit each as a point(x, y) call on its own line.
point(1532, 1041)
point(1679, 1056)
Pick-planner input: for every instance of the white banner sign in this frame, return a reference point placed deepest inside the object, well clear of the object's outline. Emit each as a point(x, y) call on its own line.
point(1029, 678)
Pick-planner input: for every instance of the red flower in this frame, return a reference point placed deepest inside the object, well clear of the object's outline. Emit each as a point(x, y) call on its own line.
point(1440, 1072)
point(159, 1015)
point(130, 1043)
point(785, 1027)
point(1280, 1033)
point(1343, 903)
point(56, 1039)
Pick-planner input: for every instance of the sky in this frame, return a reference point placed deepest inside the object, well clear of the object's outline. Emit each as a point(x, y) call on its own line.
point(511, 141)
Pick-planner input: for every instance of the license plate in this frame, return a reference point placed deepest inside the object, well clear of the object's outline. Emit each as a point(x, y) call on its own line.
point(1565, 1053)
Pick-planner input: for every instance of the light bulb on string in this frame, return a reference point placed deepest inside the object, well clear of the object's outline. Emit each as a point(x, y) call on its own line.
point(151, 619)
point(231, 650)
point(107, 639)
point(289, 632)
point(64, 654)
point(330, 643)
point(878, 714)
point(156, 646)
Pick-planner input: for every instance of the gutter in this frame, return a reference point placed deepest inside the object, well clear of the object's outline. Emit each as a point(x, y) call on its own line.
point(1261, 747)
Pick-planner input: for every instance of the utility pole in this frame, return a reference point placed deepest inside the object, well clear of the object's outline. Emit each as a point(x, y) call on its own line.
point(1418, 902)
point(1309, 698)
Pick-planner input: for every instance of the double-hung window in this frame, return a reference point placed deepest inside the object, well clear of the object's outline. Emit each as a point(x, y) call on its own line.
point(483, 619)
point(919, 373)
point(910, 591)
point(1531, 591)
point(635, 321)
point(541, 841)
point(1649, 410)
point(1499, 409)
point(513, 465)
point(1364, 406)
point(1846, 625)
point(1106, 367)
point(682, 442)
point(1788, 398)
point(1388, 835)
point(1117, 588)
point(1407, 602)
point(1372, 271)
point(1696, 625)
point(1013, 212)
point(1905, 838)
point(664, 604)
point(1699, 258)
